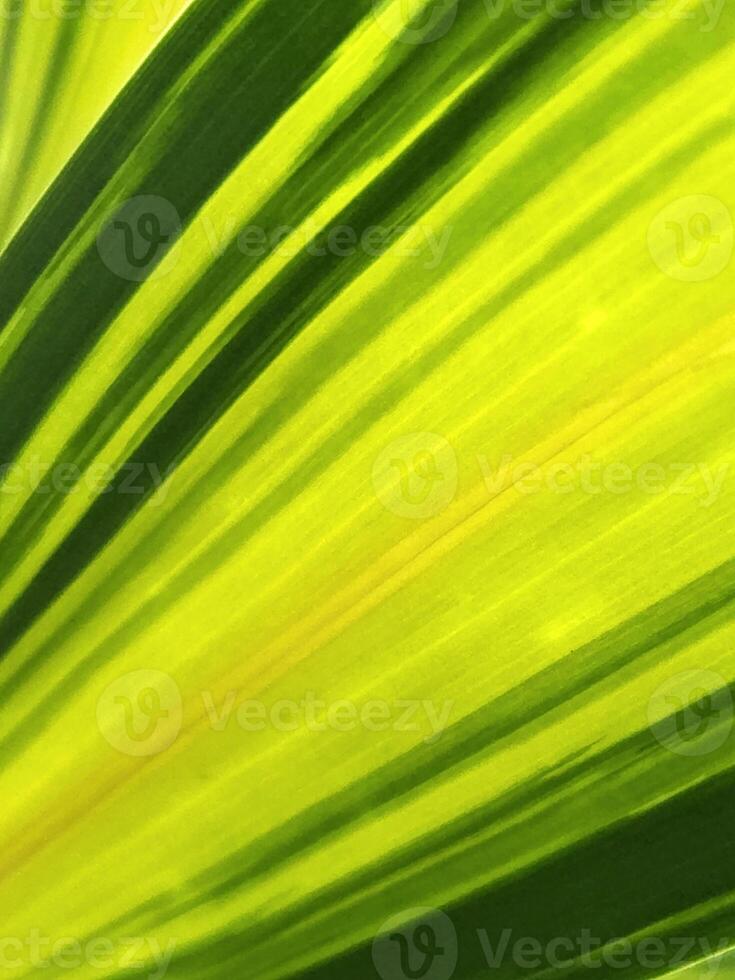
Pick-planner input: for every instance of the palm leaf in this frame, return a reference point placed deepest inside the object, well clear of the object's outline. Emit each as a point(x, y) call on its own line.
point(422, 405)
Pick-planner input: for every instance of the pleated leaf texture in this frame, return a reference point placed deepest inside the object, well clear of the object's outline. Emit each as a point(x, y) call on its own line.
point(367, 525)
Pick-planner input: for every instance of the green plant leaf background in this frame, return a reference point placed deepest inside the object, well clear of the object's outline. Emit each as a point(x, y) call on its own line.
point(525, 174)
